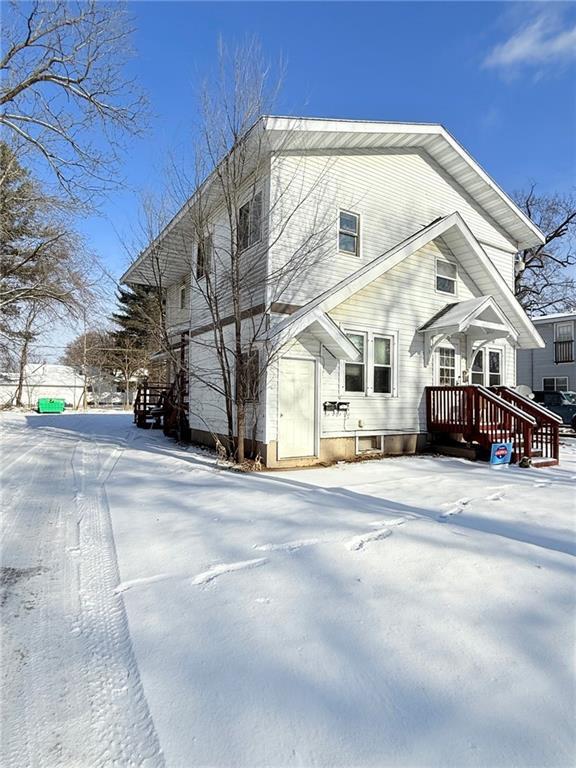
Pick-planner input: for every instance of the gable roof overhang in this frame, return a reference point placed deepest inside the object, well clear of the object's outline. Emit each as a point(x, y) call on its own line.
point(455, 233)
point(280, 134)
point(323, 328)
point(473, 315)
point(317, 134)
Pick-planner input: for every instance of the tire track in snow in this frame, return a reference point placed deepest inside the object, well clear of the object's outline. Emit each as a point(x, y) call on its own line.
point(121, 723)
point(71, 693)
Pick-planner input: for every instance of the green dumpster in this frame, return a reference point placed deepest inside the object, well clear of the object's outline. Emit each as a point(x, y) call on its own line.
point(51, 405)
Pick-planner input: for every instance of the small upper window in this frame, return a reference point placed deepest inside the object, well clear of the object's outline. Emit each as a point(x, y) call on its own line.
point(349, 233)
point(203, 257)
point(183, 296)
point(446, 274)
point(250, 222)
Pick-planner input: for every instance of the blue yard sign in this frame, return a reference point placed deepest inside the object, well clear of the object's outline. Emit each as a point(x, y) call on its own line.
point(501, 453)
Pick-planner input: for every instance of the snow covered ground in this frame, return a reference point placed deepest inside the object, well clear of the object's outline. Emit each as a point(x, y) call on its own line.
point(159, 610)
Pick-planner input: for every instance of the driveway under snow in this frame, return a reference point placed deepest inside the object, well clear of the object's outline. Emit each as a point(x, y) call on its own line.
point(159, 610)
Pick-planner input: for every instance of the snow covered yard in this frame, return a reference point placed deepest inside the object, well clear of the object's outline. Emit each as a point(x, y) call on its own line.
point(158, 610)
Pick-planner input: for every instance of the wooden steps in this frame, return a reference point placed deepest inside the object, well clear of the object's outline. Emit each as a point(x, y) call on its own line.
point(483, 416)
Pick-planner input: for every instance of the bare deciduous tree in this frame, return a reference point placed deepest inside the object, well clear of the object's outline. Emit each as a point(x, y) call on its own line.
point(63, 66)
point(235, 283)
point(547, 282)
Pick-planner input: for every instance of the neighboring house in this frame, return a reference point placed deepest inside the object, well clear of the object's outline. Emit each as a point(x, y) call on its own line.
point(552, 368)
point(413, 286)
point(43, 380)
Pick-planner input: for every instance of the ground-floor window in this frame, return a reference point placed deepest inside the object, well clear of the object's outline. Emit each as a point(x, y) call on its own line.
point(491, 375)
point(555, 384)
point(373, 372)
point(446, 366)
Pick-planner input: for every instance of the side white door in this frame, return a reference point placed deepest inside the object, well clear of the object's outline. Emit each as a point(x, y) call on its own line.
point(296, 408)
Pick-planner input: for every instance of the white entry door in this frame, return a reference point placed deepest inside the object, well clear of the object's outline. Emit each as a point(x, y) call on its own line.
point(296, 408)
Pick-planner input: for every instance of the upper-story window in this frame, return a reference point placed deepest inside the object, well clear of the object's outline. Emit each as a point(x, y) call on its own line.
point(349, 233)
point(564, 342)
point(250, 222)
point(203, 257)
point(182, 296)
point(446, 274)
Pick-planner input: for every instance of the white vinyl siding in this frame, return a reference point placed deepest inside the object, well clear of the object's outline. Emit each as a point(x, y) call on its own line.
point(395, 305)
point(395, 193)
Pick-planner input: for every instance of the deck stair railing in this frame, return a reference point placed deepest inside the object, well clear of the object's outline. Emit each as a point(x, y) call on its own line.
point(483, 416)
point(546, 435)
point(148, 406)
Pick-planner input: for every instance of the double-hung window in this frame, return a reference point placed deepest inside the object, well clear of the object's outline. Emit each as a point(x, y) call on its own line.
point(349, 233)
point(182, 296)
point(491, 377)
point(564, 342)
point(355, 373)
point(383, 365)
point(373, 372)
point(446, 274)
point(250, 222)
point(203, 257)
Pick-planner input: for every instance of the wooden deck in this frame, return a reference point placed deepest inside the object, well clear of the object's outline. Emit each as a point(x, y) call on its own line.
point(500, 415)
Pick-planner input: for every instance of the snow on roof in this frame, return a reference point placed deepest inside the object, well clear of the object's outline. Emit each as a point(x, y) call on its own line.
point(554, 316)
point(44, 374)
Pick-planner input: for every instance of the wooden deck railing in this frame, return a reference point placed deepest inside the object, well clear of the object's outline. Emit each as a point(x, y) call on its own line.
point(546, 435)
point(481, 416)
point(147, 399)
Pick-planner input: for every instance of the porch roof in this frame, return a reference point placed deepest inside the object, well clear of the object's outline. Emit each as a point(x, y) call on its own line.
point(322, 327)
point(481, 315)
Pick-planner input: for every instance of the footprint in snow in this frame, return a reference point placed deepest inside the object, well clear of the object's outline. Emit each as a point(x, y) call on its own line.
point(498, 496)
point(456, 508)
point(383, 531)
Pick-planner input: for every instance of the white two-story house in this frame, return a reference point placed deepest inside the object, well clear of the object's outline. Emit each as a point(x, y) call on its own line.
point(378, 260)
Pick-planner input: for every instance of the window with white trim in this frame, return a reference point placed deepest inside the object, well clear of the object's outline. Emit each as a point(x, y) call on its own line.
point(203, 257)
point(355, 373)
point(382, 365)
point(182, 296)
point(492, 377)
point(494, 368)
point(250, 222)
point(555, 384)
point(564, 331)
point(446, 366)
point(349, 233)
point(373, 372)
point(477, 372)
point(446, 274)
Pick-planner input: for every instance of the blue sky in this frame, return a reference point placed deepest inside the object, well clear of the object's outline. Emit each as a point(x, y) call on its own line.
point(500, 76)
